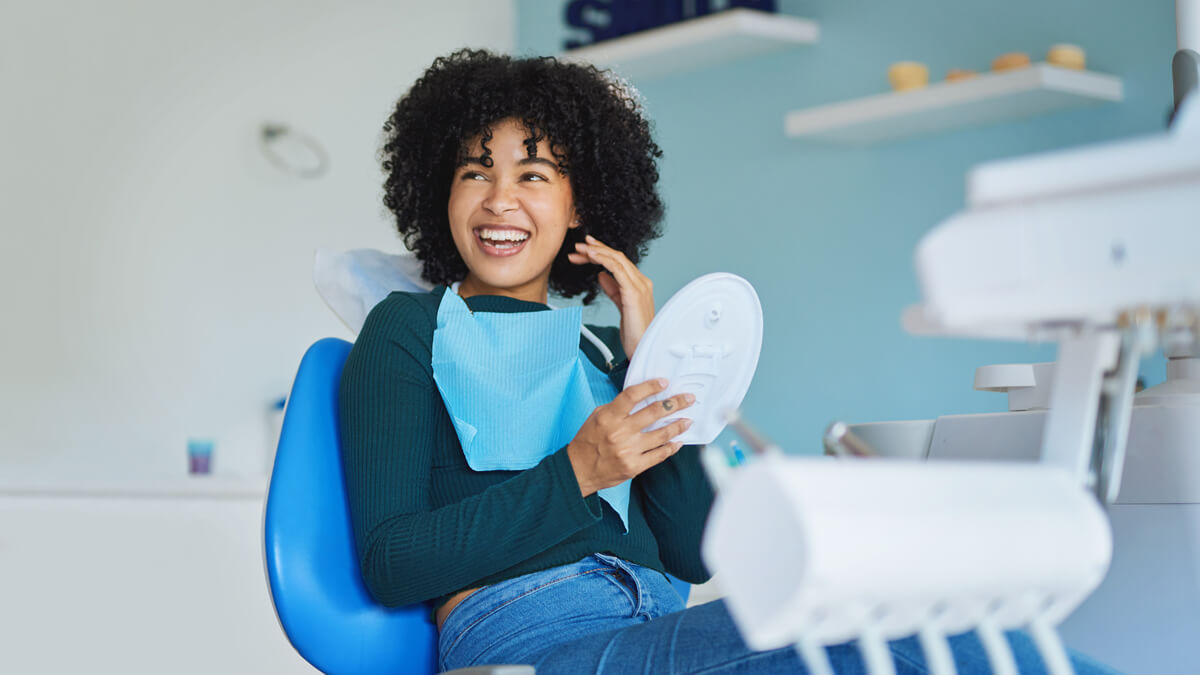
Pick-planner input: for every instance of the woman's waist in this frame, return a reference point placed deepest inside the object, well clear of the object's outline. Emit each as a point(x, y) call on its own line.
point(577, 549)
point(573, 550)
point(484, 599)
point(451, 602)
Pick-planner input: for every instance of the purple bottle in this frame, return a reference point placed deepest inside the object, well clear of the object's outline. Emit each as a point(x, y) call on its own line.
point(199, 456)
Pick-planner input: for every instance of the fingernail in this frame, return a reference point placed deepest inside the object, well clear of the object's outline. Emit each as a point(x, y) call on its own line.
point(687, 424)
point(662, 382)
point(689, 398)
point(589, 237)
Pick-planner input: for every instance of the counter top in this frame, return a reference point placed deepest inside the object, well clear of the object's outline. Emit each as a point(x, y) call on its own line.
point(180, 487)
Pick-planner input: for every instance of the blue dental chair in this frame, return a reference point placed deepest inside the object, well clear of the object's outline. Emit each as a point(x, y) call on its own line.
point(311, 562)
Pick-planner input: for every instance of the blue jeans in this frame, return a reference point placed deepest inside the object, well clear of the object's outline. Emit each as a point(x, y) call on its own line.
point(606, 615)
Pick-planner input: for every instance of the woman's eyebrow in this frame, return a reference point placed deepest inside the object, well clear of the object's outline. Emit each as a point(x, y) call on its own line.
point(524, 162)
point(538, 160)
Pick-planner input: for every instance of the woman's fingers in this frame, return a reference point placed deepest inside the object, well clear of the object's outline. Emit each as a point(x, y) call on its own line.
point(611, 259)
point(665, 434)
point(608, 283)
point(629, 289)
point(626, 400)
point(610, 287)
point(658, 455)
point(620, 269)
point(660, 409)
point(617, 257)
point(611, 446)
point(623, 271)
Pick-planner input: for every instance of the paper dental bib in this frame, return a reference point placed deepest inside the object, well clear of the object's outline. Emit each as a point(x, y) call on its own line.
point(517, 386)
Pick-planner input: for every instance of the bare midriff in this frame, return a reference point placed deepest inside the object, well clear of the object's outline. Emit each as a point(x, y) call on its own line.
point(444, 610)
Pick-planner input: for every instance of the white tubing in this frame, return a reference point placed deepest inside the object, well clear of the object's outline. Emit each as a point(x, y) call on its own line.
point(999, 653)
point(1054, 656)
point(816, 661)
point(875, 653)
point(937, 651)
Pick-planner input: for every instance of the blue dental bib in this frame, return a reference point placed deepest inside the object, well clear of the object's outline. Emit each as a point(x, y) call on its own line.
point(517, 386)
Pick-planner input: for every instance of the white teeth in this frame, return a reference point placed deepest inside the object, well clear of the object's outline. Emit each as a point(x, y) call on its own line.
point(504, 235)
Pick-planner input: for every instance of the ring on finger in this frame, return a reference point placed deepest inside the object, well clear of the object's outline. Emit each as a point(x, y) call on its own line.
point(668, 405)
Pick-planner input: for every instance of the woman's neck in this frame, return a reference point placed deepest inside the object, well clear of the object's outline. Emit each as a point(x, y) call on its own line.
point(534, 291)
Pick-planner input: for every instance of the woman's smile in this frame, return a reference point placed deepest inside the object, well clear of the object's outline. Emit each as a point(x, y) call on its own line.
point(501, 241)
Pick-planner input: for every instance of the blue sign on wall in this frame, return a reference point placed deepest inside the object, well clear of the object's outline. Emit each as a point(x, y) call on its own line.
point(603, 20)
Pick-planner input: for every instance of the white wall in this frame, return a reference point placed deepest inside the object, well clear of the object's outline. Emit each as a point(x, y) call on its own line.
point(155, 270)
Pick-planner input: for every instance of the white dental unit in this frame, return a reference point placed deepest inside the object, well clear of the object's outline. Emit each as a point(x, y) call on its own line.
point(1097, 532)
point(1098, 249)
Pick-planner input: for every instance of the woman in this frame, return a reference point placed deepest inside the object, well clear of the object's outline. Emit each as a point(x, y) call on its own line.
point(491, 463)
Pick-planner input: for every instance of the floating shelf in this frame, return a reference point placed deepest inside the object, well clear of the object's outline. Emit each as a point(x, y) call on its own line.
point(697, 43)
point(985, 99)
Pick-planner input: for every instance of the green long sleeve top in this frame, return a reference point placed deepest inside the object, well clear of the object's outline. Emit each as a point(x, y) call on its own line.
point(426, 525)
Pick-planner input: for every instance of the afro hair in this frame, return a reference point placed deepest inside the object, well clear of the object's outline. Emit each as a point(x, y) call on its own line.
point(596, 129)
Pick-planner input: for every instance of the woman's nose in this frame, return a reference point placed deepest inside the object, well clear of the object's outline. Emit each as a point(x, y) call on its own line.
point(500, 199)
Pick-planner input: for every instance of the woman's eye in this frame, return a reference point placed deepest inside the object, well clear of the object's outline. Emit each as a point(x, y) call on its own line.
point(473, 175)
point(534, 177)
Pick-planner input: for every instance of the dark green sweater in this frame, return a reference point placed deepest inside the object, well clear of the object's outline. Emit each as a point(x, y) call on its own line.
point(426, 525)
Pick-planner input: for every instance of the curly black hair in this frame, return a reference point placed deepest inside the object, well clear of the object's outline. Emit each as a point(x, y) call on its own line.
point(597, 134)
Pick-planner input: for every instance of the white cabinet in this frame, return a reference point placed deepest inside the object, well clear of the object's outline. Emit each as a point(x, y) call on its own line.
point(128, 577)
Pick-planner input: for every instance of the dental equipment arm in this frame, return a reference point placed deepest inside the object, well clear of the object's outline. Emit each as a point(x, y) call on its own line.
point(1094, 248)
point(1185, 67)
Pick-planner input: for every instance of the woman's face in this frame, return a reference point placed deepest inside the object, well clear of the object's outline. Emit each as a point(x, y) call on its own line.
point(509, 220)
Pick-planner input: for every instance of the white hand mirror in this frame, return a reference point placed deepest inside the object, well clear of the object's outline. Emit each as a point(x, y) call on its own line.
point(705, 341)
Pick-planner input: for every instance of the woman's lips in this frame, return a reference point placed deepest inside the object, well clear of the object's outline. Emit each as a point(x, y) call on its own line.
point(504, 242)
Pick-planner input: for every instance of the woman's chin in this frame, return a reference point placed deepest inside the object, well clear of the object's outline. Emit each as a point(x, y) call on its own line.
point(490, 282)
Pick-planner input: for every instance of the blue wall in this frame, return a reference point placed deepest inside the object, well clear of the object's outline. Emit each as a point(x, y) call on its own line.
point(826, 233)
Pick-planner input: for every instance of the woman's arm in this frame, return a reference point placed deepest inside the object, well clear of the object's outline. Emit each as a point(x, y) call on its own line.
point(389, 420)
point(676, 493)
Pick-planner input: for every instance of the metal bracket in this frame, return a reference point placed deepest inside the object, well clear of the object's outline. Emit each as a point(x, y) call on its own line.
point(1087, 426)
point(1070, 436)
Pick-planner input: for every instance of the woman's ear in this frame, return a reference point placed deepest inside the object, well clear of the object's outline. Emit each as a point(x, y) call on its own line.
point(575, 222)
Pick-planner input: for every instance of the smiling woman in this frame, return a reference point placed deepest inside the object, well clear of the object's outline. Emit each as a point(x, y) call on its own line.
point(492, 467)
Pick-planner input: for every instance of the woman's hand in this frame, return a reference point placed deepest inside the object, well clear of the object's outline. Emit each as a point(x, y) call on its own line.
point(630, 290)
point(611, 447)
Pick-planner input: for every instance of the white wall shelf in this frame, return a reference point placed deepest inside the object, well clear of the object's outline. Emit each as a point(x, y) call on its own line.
point(986, 99)
point(698, 43)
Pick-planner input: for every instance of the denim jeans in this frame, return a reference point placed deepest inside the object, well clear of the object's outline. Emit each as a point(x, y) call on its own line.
point(606, 615)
